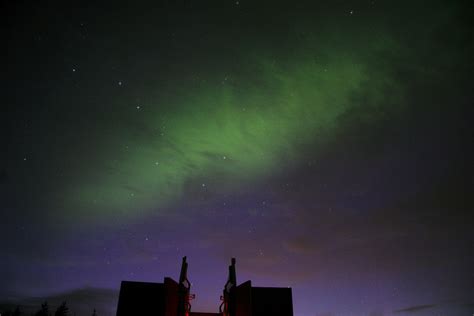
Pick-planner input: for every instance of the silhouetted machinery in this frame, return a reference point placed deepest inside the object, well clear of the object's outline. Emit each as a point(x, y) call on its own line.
point(173, 299)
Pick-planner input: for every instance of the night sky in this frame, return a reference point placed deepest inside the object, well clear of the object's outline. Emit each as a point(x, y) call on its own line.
point(327, 145)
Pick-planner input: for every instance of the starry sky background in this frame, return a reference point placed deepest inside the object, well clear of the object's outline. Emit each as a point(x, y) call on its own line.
point(325, 144)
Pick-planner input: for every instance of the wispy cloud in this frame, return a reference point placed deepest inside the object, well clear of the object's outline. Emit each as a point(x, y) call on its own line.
point(415, 308)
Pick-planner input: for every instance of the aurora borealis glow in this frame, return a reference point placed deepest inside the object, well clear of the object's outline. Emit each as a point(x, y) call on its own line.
point(237, 132)
point(325, 144)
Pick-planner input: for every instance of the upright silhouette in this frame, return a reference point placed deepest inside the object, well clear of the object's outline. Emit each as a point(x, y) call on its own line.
point(171, 298)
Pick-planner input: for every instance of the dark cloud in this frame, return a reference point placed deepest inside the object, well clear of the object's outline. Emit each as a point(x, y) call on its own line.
point(415, 309)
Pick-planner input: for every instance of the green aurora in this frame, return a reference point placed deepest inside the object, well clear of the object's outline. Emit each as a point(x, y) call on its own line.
point(248, 122)
point(242, 130)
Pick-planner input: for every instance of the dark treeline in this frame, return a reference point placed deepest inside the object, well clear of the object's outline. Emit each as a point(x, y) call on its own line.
point(62, 310)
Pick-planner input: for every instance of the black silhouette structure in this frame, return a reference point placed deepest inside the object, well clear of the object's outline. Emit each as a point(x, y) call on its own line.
point(173, 299)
